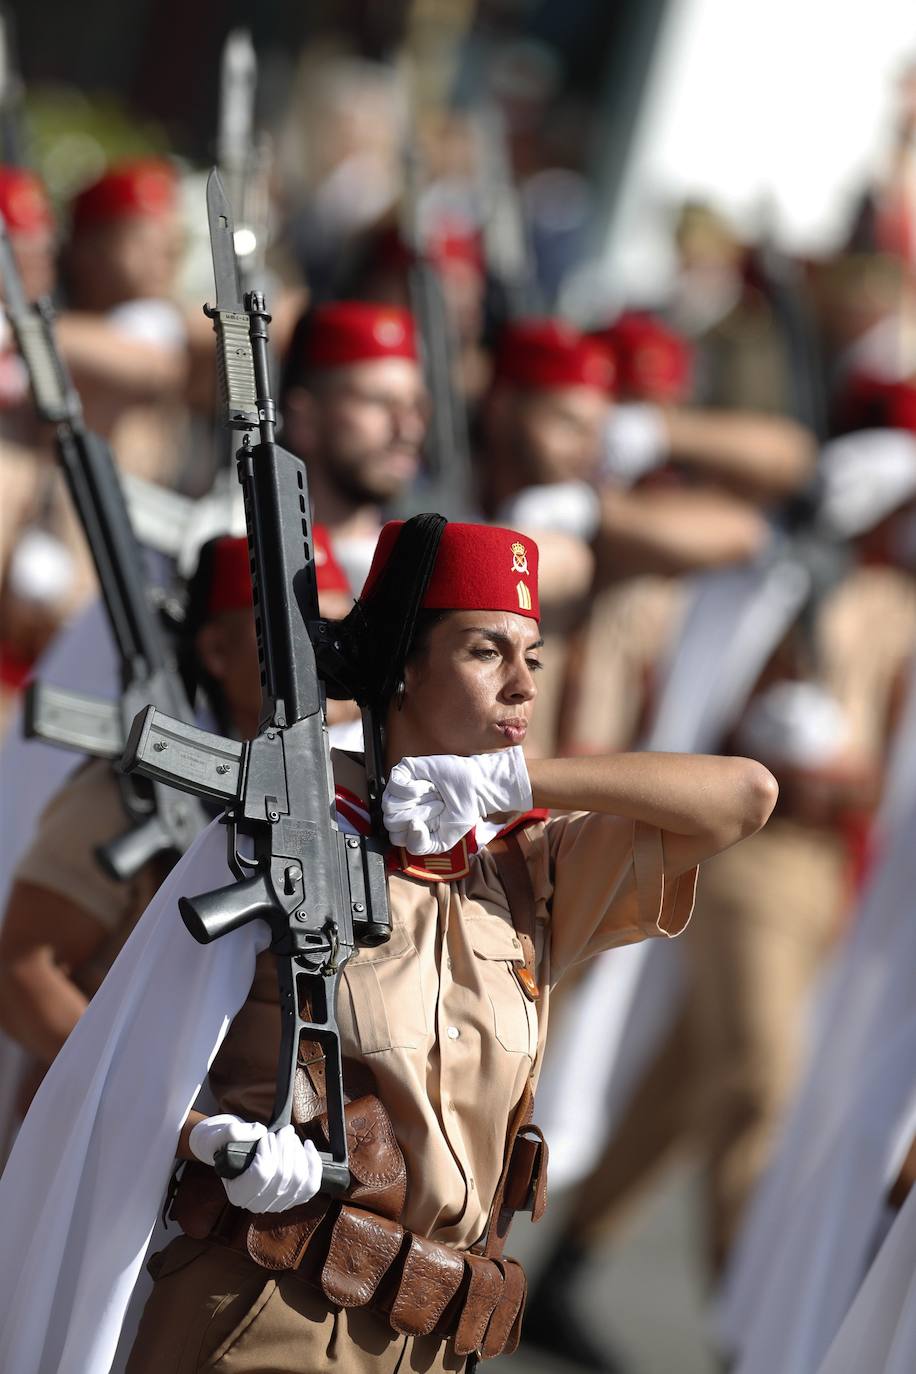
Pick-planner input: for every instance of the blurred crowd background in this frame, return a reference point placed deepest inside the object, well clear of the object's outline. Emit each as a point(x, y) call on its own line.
point(661, 255)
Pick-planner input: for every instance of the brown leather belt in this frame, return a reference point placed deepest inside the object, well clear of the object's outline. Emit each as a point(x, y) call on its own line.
point(422, 1287)
point(361, 1256)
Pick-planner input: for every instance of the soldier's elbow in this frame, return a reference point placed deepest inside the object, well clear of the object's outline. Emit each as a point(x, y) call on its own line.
point(758, 791)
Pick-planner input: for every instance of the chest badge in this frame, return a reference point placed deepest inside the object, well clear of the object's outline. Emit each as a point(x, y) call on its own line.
point(527, 982)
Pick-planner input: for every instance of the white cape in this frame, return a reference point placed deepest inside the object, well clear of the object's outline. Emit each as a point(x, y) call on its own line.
point(866, 1009)
point(87, 1175)
point(879, 1333)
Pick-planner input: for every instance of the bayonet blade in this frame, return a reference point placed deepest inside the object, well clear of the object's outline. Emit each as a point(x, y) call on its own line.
point(222, 245)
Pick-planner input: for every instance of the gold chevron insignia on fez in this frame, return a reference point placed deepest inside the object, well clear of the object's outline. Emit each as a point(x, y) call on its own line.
point(519, 558)
point(524, 597)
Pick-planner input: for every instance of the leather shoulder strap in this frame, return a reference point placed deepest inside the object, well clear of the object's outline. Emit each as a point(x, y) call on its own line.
point(516, 880)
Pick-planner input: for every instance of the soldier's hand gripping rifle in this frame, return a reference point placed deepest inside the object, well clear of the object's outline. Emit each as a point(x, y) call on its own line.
point(318, 889)
point(161, 822)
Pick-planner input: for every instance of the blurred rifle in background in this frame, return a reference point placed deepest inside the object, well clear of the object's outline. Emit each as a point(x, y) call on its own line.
point(781, 280)
point(507, 251)
point(173, 524)
point(161, 821)
point(12, 139)
point(449, 486)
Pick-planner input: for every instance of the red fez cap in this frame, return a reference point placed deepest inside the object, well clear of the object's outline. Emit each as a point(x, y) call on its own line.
point(478, 568)
point(230, 578)
point(344, 332)
point(548, 353)
point(141, 187)
point(902, 407)
point(653, 362)
point(23, 201)
point(456, 243)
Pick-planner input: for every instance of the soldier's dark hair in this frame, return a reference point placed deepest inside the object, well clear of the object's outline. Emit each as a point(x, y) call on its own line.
point(381, 633)
point(197, 681)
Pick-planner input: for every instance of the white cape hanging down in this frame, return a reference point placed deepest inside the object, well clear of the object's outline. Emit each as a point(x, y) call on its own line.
point(85, 1181)
point(866, 1002)
point(629, 997)
point(824, 1252)
point(879, 1333)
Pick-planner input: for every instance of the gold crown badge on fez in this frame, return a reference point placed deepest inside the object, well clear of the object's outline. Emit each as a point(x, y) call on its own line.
point(520, 565)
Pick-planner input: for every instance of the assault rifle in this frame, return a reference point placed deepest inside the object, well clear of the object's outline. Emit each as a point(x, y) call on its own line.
point(161, 822)
point(318, 889)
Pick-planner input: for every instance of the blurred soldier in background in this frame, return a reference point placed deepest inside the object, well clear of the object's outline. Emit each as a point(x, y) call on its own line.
point(821, 714)
point(45, 571)
point(122, 332)
point(66, 921)
point(355, 408)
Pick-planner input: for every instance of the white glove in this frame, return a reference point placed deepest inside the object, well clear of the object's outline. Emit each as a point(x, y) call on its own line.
point(285, 1171)
point(430, 803)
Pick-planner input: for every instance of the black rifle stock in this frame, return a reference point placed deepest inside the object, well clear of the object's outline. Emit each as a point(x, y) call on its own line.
point(318, 889)
point(74, 720)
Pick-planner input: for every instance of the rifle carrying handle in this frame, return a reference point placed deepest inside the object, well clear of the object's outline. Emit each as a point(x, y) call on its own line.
point(233, 1159)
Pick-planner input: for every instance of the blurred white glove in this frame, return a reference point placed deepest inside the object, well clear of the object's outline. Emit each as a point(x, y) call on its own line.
point(430, 803)
point(565, 507)
point(794, 724)
point(285, 1171)
point(635, 442)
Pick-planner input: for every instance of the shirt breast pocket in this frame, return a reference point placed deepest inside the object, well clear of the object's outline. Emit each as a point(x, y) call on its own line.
point(498, 956)
point(386, 996)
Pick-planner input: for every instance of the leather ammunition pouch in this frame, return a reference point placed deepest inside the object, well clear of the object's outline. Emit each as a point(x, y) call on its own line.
point(358, 1253)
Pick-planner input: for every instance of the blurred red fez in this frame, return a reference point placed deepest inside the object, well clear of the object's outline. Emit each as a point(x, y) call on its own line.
point(450, 242)
point(230, 578)
point(23, 201)
point(478, 568)
point(455, 242)
point(869, 402)
point(653, 362)
point(548, 353)
point(141, 187)
point(343, 332)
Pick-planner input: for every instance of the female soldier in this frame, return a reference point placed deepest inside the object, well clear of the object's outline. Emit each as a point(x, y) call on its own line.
point(445, 1024)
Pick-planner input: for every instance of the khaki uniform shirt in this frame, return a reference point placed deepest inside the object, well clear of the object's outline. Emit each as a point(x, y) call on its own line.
point(438, 1014)
point(87, 812)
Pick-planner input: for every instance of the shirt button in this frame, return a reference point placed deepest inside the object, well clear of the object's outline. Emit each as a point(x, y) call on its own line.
point(448, 963)
point(453, 1032)
point(452, 1107)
